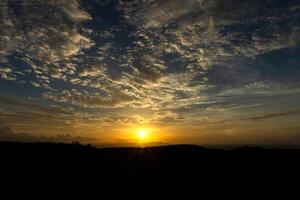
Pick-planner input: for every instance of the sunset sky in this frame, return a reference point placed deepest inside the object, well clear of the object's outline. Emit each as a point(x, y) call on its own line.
point(184, 71)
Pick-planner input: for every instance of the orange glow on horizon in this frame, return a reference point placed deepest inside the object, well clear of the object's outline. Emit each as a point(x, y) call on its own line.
point(141, 135)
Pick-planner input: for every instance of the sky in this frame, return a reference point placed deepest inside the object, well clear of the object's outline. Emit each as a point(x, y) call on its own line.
point(197, 71)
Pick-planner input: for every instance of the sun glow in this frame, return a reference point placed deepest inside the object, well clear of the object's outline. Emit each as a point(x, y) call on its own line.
point(142, 134)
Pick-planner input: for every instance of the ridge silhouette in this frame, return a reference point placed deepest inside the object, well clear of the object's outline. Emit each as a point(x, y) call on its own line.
point(165, 172)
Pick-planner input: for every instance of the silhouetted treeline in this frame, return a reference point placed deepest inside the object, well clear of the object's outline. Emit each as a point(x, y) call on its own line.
point(169, 172)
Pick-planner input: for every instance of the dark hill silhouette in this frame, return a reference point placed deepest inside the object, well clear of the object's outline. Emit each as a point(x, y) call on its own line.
point(166, 172)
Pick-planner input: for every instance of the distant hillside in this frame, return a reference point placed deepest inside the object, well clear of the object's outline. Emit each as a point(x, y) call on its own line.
point(166, 172)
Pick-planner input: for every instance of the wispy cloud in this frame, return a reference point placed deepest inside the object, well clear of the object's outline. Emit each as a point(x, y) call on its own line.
point(275, 115)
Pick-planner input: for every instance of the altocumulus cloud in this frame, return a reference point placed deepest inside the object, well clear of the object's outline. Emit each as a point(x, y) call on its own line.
point(173, 56)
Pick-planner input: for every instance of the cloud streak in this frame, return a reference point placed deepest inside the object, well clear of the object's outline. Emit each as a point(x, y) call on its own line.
point(275, 115)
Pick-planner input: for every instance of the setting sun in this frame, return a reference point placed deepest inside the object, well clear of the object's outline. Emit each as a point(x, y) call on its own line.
point(142, 134)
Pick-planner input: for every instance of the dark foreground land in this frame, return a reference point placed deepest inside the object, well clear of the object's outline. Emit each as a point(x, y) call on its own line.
point(65, 171)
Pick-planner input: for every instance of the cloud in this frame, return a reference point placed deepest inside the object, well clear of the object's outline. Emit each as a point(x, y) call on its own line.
point(39, 36)
point(5, 70)
point(275, 115)
point(87, 99)
point(6, 73)
point(204, 60)
point(207, 42)
point(156, 14)
point(7, 134)
point(73, 10)
point(197, 40)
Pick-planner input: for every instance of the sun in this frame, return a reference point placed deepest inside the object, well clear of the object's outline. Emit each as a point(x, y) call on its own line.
point(142, 134)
